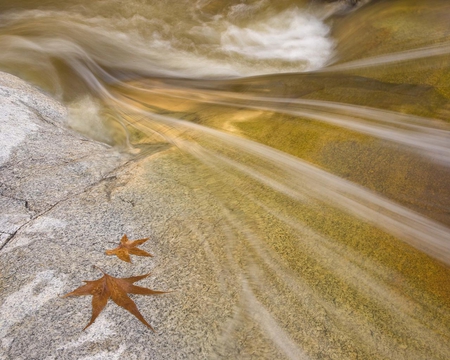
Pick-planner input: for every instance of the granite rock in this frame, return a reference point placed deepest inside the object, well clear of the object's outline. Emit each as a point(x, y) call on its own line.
point(65, 199)
point(42, 162)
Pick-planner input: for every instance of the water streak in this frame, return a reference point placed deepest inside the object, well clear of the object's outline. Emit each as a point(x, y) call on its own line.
point(313, 265)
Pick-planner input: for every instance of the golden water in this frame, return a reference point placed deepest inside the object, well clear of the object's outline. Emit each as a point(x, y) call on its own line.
point(319, 138)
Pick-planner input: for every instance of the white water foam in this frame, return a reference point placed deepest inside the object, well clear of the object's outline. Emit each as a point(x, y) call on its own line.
point(222, 46)
point(291, 36)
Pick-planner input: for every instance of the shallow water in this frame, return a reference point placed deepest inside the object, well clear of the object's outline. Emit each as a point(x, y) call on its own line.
point(317, 137)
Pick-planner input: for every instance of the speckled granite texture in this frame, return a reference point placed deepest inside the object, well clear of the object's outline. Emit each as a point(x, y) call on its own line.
point(64, 200)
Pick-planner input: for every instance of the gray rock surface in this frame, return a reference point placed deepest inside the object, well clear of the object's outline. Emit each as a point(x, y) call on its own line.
point(42, 163)
point(64, 201)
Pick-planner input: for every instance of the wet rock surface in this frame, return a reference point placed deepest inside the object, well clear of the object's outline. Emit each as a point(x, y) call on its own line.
point(66, 199)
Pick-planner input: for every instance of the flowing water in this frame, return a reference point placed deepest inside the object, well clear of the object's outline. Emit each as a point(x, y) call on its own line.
point(317, 135)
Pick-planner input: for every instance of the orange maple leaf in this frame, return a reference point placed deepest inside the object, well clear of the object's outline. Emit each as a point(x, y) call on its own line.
point(127, 247)
point(115, 288)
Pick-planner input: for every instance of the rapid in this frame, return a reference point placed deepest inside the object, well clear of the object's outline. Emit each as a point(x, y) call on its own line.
point(315, 136)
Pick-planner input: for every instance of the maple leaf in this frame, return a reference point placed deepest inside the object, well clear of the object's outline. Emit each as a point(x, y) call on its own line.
point(127, 247)
point(115, 288)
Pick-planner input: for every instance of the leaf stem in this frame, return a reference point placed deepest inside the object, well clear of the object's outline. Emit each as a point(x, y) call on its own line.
point(95, 266)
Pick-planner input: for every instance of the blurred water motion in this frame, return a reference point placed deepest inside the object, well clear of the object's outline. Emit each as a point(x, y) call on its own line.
point(328, 168)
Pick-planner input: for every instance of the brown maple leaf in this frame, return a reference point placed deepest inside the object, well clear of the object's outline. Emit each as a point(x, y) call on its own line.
point(115, 288)
point(127, 247)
